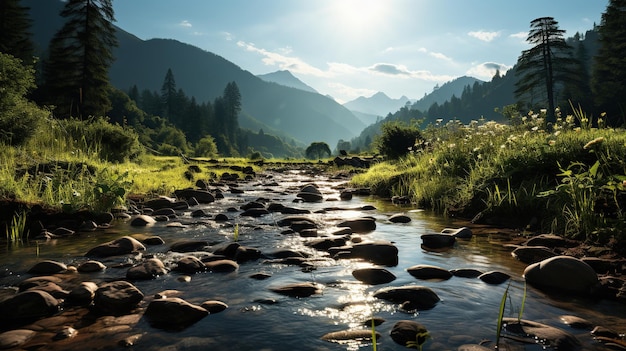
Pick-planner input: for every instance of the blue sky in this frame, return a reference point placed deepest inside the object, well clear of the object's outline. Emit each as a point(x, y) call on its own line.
point(351, 48)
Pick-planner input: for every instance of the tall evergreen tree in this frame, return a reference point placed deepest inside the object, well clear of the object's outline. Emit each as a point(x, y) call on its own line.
point(76, 72)
point(232, 101)
point(15, 35)
point(169, 95)
point(545, 63)
point(609, 70)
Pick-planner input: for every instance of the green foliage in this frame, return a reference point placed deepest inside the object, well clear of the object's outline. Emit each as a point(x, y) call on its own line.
point(397, 139)
point(18, 117)
point(16, 230)
point(80, 54)
point(206, 147)
point(317, 150)
point(15, 36)
point(109, 142)
point(109, 190)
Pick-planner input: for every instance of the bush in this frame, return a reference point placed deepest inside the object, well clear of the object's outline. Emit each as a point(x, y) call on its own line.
point(111, 142)
point(18, 117)
point(168, 150)
point(206, 147)
point(397, 139)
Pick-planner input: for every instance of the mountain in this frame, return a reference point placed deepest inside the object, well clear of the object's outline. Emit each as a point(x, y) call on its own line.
point(303, 115)
point(378, 104)
point(442, 93)
point(287, 79)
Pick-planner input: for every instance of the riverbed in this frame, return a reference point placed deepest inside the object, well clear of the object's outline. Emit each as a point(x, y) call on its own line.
point(259, 319)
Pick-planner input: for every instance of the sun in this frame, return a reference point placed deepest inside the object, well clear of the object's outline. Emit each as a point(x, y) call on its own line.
point(358, 17)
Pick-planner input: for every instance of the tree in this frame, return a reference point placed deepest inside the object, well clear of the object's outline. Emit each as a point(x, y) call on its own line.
point(317, 150)
point(15, 36)
point(396, 139)
point(169, 95)
point(76, 72)
point(547, 62)
point(232, 106)
point(609, 69)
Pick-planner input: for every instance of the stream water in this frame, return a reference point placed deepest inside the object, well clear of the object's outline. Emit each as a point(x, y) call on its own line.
point(466, 314)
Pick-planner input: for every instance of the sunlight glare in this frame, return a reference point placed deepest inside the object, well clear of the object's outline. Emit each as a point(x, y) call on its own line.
point(359, 18)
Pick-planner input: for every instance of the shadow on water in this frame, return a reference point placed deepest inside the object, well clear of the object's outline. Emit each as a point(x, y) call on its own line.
point(259, 319)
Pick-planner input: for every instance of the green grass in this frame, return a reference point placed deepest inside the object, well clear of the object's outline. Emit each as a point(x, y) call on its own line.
point(500, 171)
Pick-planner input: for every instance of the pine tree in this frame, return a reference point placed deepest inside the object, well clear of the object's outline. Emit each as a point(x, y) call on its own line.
point(232, 101)
point(609, 70)
point(546, 63)
point(15, 35)
point(168, 95)
point(76, 72)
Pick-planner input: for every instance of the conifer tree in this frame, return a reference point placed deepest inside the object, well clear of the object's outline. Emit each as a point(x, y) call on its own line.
point(546, 63)
point(15, 35)
point(609, 70)
point(76, 72)
point(169, 95)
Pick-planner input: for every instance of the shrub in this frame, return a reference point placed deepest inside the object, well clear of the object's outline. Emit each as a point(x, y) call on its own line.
point(397, 139)
point(206, 147)
point(18, 117)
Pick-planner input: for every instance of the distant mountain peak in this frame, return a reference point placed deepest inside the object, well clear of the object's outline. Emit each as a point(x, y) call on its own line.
point(286, 78)
point(379, 104)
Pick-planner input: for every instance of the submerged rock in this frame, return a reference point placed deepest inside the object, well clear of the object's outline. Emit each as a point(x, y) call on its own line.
point(418, 297)
point(373, 275)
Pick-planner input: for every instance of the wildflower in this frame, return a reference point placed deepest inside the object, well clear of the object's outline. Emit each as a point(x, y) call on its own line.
point(577, 129)
point(551, 142)
point(543, 111)
point(596, 141)
point(557, 133)
point(535, 128)
point(452, 146)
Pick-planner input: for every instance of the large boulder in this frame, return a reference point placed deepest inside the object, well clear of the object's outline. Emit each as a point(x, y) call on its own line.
point(117, 297)
point(26, 307)
point(310, 193)
point(378, 252)
point(414, 296)
point(122, 246)
point(437, 240)
point(174, 313)
point(562, 273)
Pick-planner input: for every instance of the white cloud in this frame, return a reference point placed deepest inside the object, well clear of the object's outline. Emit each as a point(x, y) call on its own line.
point(227, 36)
point(519, 35)
point(284, 62)
point(185, 23)
point(484, 35)
point(487, 70)
point(349, 92)
point(440, 56)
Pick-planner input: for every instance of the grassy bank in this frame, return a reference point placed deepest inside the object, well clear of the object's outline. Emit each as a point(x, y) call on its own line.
point(567, 179)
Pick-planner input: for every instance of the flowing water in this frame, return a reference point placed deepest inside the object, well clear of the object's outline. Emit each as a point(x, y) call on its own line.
point(466, 314)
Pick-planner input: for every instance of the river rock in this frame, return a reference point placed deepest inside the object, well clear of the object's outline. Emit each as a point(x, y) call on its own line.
point(190, 265)
point(142, 221)
point(564, 273)
point(547, 240)
point(298, 289)
point(532, 254)
point(160, 202)
point(214, 306)
point(373, 276)
point(324, 244)
point(419, 297)
point(549, 336)
point(122, 246)
point(189, 245)
point(117, 297)
point(466, 272)
point(350, 334)
point(461, 233)
point(27, 306)
point(255, 212)
point(83, 294)
point(470, 347)
point(399, 218)
point(405, 331)
point(15, 338)
point(201, 196)
point(422, 271)
point(359, 225)
point(299, 226)
point(576, 322)
point(438, 241)
point(494, 277)
point(47, 267)
point(246, 253)
point(51, 288)
point(91, 266)
point(146, 270)
point(173, 313)
point(378, 252)
point(222, 266)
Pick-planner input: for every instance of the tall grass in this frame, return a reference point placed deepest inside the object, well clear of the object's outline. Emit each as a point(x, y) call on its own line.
point(16, 231)
point(499, 170)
